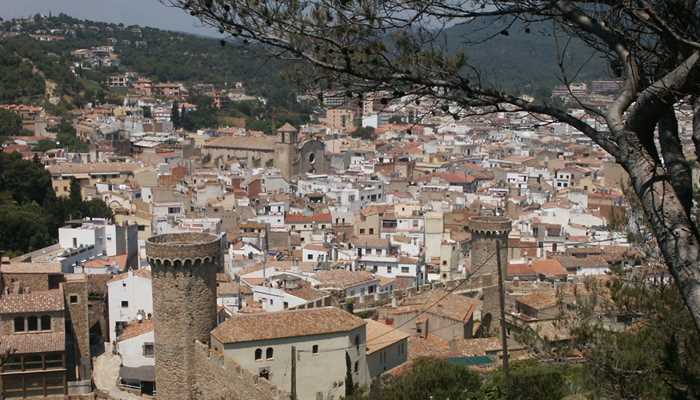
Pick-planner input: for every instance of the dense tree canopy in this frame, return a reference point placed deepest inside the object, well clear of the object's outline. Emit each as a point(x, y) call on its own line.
point(10, 123)
point(30, 213)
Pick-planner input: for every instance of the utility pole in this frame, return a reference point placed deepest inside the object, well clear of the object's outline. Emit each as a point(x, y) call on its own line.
point(502, 306)
point(293, 391)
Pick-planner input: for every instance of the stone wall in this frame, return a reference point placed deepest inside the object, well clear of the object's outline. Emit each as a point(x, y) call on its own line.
point(77, 319)
point(219, 379)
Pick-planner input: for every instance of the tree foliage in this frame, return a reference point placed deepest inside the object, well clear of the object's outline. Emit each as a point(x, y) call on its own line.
point(10, 123)
point(430, 379)
point(652, 339)
point(30, 213)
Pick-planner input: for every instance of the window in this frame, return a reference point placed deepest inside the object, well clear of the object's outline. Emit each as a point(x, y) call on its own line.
point(388, 269)
point(269, 353)
point(45, 322)
point(148, 350)
point(272, 302)
point(286, 305)
point(357, 366)
point(19, 324)
point(32, 324)
point(309, 256)
point(125, 304)
point(73, 299)
point(362, 231)
point(314, 349)
point(357, 342)
point(371, 231)
point(75, 242)
point(258, 354)
point(404, 270)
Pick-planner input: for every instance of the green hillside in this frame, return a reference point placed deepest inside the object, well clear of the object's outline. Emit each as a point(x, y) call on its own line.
point(526, 57)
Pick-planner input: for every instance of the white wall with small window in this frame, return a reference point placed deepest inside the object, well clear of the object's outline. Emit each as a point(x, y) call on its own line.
point(137, 351)
point(320, 366)
point(129, 294)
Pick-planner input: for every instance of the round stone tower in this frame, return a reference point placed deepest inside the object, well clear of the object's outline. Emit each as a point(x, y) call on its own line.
point(183, 269)
point(487, 233)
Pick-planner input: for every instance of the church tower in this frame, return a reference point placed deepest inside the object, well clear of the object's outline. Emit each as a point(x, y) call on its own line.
point(286, 150)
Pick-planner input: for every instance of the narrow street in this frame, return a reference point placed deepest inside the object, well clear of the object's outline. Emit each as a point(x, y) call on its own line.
point(105, 373)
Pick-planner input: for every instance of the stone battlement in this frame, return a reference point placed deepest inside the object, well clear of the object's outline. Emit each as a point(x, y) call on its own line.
point(194, 248)
point(489, 225)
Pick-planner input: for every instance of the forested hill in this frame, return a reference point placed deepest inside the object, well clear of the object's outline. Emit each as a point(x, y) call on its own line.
point(524, 57)
point(26, 63)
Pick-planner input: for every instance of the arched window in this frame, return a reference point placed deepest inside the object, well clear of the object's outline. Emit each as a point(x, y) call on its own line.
point(258, 354)
point(269, 353)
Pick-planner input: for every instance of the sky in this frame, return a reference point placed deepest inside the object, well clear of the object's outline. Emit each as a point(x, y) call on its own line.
point(140, 12)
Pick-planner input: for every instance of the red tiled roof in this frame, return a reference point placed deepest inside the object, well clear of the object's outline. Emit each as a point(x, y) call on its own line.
point(33, 342)
point(285, 324)
point(136, 329)
point(49, 300)
point(549, 267)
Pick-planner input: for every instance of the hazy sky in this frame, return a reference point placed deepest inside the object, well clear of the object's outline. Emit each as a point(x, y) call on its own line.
point(141, 12)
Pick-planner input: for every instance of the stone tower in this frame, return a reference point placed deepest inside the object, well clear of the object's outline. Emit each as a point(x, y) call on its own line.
point(286, 149)
point(183, 268)
point(488, 232)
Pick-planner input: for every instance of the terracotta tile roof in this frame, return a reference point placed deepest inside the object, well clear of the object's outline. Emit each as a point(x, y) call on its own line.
point(141, 272)
point(120, 260)
point(31, 268)
point(286, 324)
point(520, 270)
point(591, 261)
point(92, 168)
point(432, 346)
point(261, 143)
point(370, 242)
point(343, 279)
point(136, 329)
point(33, 342)
point(539, 300)
point(316, 247)
point(49, 300)
point(381, 336)
point(298, 219)
point(438, 302)
point(307, 293)
point(549, 267)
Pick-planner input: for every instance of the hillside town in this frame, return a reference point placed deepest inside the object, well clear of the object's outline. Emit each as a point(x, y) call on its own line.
point(239, 263)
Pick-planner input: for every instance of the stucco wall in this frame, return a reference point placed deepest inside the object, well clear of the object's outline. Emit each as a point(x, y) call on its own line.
point(316, 373)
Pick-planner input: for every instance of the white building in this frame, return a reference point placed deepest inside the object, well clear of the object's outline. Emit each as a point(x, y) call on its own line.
point(262, 343)
point(130, 297)
point(136, 349)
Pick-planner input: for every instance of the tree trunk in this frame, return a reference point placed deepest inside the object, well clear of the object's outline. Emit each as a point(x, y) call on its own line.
point(676, 234)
